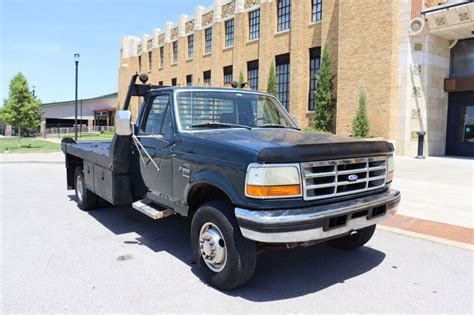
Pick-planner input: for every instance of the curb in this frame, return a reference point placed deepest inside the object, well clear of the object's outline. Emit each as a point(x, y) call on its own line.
point(35, 162)
point(426, 237)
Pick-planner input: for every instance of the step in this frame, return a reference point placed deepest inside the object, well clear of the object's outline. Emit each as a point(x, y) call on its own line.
point(155, 212)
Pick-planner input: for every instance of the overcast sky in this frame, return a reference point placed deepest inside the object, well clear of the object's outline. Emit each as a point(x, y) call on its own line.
point(40, 37)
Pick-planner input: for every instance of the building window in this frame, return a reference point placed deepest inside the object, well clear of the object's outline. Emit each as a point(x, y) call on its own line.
point(283, 79)
point(139, 64)
point(162, 56)
point(175, 52)
point(252, 74)
point(150, 60)
point(174, 82)
point(316, 10)
point(208, 40)
point(254, 24)
point(229, 33)
point(314, 63)
point(189, 80)
point(207, 77)
point(190, 46)
point(284, 15)
point(160, 83)
point(228, 75)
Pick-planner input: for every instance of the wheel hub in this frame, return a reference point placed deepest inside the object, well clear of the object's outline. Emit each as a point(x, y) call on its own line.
point(79, 188)
point(213, 249)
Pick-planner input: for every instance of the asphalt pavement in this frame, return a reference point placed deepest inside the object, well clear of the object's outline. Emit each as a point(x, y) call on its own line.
point(57, 258)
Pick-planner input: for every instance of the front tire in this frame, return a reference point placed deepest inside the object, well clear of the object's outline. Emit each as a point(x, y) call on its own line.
point(86, 199)
point(226, 259)
point(354, 241)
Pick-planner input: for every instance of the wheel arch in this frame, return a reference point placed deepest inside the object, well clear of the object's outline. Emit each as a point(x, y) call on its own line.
point(202, 193)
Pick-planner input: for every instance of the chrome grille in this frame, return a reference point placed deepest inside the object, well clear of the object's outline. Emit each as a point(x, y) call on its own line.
point(326, 179)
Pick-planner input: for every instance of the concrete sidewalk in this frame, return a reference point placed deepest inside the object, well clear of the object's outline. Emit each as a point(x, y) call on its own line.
point(52, 157)
point(438, 189)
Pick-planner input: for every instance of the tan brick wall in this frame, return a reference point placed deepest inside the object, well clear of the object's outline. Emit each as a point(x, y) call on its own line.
point(367, 55)
point(362, 38)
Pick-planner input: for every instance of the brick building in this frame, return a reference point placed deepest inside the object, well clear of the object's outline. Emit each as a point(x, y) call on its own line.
point(392, 48)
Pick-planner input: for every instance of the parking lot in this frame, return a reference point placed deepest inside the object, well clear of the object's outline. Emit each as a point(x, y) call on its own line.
point(57, 258)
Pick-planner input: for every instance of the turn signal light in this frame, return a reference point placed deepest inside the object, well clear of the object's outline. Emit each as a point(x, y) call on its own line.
point(274, 191)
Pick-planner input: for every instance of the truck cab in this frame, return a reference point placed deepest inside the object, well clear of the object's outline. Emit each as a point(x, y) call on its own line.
point(238, 166)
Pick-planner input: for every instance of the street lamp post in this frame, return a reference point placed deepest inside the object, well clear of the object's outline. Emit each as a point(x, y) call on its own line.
point(33, 90)
point(76, 60)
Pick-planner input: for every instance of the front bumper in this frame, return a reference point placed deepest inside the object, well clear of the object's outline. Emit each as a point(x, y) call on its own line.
point(319, 222)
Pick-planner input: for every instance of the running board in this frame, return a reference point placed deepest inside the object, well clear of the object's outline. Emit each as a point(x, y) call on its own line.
point(155, 212)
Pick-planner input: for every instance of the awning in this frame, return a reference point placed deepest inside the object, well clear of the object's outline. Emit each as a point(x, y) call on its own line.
point(452, 21)
point(113, 109)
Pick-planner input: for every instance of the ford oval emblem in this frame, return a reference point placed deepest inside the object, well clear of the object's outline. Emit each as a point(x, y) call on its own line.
point(353, 177)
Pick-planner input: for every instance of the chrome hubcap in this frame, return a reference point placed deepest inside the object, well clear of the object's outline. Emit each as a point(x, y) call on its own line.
point(79, 188)
point(213, 247)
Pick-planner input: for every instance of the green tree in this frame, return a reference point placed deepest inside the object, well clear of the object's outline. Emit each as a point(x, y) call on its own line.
point(21, 109)
point(360, 124)
point(324, 101)
point(272, 85)
point(241, 80)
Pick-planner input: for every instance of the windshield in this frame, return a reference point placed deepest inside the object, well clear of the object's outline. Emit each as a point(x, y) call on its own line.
point(199, 110)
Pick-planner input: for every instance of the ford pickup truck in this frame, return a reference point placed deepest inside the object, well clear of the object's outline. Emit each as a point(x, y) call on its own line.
point(238, 166)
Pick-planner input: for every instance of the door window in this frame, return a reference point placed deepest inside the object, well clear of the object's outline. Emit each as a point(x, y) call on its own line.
point(157, 115)
point(467, 119)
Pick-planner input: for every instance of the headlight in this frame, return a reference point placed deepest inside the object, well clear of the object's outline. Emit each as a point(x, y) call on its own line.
point(391, 168)
point(273, 181)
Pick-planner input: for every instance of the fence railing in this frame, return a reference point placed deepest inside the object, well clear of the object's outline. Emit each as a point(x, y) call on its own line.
point(60, 132)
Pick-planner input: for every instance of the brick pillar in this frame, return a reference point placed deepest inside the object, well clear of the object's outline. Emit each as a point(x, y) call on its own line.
point(265, 55)
point(298, 61)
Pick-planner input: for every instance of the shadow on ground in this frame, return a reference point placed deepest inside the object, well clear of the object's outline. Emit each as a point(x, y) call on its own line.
point(279, 274)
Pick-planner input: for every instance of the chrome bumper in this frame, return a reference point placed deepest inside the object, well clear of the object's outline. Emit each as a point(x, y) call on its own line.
point(316, 223)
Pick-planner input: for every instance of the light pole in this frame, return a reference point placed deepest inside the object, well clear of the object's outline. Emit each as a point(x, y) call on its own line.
point(76, 60)
point(33, 90)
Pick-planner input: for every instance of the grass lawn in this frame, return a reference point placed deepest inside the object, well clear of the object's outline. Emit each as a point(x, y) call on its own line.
point(28, 145)
point(106, 136)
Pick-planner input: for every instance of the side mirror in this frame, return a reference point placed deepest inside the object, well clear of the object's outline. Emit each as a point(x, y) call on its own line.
point(123, 126)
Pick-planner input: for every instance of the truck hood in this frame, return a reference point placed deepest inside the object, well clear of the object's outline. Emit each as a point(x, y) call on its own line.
point(274, 145)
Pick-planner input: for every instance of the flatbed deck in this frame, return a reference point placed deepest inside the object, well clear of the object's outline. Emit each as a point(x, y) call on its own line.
point(97, 152)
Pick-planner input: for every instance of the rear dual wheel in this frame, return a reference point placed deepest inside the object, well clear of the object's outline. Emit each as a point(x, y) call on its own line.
point(226, 259)
point(86, 199)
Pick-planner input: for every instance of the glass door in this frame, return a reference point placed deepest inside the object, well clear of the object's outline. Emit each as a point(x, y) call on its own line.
point(460, 135)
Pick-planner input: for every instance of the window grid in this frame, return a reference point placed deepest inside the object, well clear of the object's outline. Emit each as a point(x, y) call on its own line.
point(317, 9)
point(174, 81)
point(284, 15)
point(252, 74)
point(175, 52)
point(189, 80)
point(162, 57)
point(207, 77)
point(228, 71)
point(190, 46)
point(150, 60)
point(229, 33)
point(314, 64)
point(254, 24)
point(208, 40)
point(283, 83)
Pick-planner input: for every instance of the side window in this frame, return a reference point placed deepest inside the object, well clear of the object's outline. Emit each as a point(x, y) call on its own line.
point(167, 126)
point(156, 114)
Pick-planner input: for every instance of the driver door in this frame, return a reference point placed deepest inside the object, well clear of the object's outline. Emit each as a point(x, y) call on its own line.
point(157, 138)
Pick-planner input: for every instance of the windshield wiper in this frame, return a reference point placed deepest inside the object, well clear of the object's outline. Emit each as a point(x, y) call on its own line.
point(277, 126)
point(220, 125)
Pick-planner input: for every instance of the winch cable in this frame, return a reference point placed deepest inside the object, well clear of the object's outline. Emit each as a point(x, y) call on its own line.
point(139, 146)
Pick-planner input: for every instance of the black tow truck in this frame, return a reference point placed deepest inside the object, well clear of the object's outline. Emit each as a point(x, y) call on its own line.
point(237, 164)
